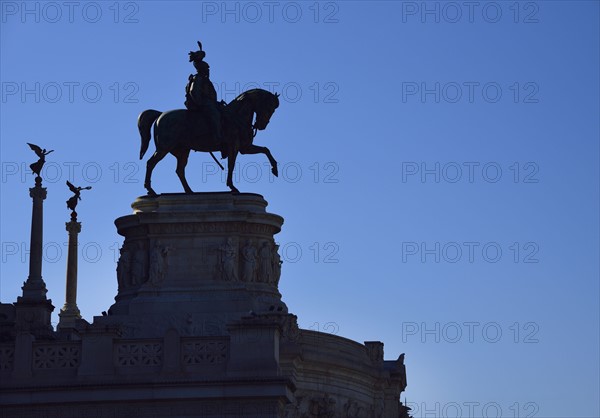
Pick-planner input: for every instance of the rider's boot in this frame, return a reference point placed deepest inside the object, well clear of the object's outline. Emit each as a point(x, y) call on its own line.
point(219, 138)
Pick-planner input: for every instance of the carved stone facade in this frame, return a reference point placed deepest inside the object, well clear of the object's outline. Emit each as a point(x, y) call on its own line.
point(198, 329)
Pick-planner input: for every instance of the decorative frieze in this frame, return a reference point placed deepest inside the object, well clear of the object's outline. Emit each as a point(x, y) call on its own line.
point(56, 356)
point(354, 409)
point(136, 354)
point(7, 357)
point(211, 228)
point(205, 352)
point(142, 261)
point(311, 405)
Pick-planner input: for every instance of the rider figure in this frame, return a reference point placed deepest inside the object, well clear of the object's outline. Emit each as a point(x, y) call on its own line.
point(200, 94)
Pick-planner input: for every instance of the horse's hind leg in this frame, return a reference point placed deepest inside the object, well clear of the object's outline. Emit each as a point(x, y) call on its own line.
point(152, 161)
point(230, 167)
point(182, 159)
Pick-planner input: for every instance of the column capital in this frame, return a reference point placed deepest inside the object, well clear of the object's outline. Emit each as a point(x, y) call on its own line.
point(73, 227)
point(38, 192)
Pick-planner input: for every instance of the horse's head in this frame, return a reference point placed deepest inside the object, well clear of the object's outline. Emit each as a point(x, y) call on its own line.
point(266, 104)
point(256, 101)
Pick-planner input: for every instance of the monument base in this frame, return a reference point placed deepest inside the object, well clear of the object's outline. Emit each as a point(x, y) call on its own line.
point(194, 263)
point(198, 329)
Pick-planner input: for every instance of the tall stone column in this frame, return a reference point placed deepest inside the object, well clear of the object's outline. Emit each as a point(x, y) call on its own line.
point(35, 288)
point(33, 308)
point(69, 314)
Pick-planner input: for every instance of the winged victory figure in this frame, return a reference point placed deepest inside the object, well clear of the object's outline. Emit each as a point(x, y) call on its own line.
point(41, 153)
point(73, 200)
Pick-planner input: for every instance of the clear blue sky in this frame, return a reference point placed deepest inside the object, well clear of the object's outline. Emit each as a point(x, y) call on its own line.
point(439, 171)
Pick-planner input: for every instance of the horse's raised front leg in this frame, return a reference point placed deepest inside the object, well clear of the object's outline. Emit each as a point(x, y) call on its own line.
point(182, 159)
point(230, 166)
point(255, 149)
point(152, 161)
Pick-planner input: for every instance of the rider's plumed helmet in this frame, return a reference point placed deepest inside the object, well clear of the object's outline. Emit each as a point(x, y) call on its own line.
point(197, 55)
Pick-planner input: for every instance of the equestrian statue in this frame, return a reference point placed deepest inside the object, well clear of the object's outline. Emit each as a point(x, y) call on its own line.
point(207, 125)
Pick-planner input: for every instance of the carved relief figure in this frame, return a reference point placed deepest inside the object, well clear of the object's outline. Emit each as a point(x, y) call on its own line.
point(322, 407)
point(139, 265)
point(158, 263)
point(249, 257)
point(266, 263)
point(228, 260)
point(276, 265)
point(123, 267)
point(353, 410)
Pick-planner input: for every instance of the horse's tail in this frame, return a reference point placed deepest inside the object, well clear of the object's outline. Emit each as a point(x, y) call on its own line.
point(145, 121)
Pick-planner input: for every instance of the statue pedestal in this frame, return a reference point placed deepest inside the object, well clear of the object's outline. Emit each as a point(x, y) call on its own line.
point(195, 263)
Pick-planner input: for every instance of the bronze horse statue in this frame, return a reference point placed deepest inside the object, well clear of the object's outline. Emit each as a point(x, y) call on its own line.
point(180, 131)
